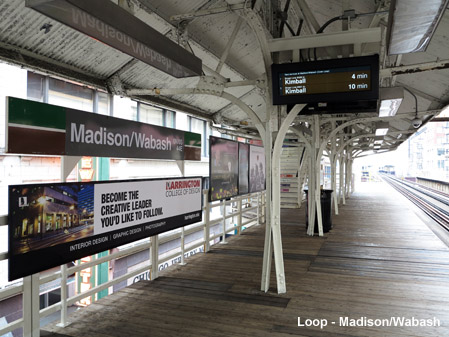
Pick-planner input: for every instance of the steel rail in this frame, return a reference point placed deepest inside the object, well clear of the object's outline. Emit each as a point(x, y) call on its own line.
point(438, 214)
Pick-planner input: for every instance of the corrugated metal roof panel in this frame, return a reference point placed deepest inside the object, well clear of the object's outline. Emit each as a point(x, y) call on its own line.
point(22, 27)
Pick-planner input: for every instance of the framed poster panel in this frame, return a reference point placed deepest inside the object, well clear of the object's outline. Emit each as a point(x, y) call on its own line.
point(243, 168)
point(256, 169)
point(223, 168)
point(53, 224)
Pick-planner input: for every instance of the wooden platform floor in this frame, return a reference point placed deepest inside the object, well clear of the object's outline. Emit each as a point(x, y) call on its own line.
point(379, 261)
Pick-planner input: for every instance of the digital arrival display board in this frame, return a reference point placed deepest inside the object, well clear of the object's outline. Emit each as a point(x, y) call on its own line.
point(53, 224)
point(338, 80)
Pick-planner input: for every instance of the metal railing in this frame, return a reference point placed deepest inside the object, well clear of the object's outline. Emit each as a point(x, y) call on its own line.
point(244, 211)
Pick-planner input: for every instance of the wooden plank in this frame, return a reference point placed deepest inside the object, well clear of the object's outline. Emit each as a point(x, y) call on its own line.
point(380, 260)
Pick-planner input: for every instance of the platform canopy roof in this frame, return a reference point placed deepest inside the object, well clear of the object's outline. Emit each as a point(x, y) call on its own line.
point(222, 34)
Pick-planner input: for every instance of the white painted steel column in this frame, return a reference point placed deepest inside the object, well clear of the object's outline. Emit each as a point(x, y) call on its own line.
point(259, 198)
point(67, 165)
point(276, 183)
point(223, 203)
point(273, 187)
point(300, 180)
point(182, 169)
point(311, 188)
point(333, 159)
point(343, 176)
point(27, 305)
point(154, 257)
point(206, 222)
point(351, 183)
point(64, 296)
point(347, 172)
point(263, 196)
point(268, 248)
point(239, 215)
point(352, 180)
point(316, 122)
point(30, 303)
point(182, 247)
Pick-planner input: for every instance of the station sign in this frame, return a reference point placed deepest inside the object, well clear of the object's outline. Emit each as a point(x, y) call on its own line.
point(53, 224)
point(45, 129)
point(106, 22)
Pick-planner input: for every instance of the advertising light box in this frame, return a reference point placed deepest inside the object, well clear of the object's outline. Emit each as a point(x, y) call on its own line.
point(53, 224)
point(337, 80)
point(243, 168)
point(256, 169)
point(223, 168)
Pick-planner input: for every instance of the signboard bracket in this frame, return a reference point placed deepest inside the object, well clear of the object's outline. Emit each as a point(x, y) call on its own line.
point(68, 163)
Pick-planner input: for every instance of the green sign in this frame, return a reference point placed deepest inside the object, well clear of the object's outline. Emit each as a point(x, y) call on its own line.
point(39, 128)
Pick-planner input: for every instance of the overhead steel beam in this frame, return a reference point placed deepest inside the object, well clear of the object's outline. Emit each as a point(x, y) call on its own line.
point(309, 17)
point(146, 6)
point(116, 27)
point(205, 12)
point(234, 133)
point(440, 119)
point(414, 68)
point(421, 93)
point(22, 57)
point(258, 82)
point(368, 35)
point(301, 128)
point(396, 64)
point(175, 105)
point(227, 49)
point(190, 91)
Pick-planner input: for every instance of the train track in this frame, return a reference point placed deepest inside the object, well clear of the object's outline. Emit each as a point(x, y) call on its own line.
point(434, 203)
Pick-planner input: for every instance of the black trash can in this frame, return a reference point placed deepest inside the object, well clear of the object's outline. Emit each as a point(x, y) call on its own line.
point(326, 210)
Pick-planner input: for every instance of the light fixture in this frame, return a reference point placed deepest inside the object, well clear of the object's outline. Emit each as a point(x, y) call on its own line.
point(381, 131)
point(416, 122)
point(411, 24)
point(390, 100)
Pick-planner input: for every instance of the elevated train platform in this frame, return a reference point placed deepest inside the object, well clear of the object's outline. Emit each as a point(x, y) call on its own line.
point(378, 264)
point(318, 84)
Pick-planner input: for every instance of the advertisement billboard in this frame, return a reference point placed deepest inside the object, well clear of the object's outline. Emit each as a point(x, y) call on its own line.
point(223, 168)
point(243, 168)
point(39, 128)
point(256, 169)
point(52, 224)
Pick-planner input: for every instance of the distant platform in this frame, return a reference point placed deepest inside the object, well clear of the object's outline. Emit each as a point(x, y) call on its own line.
point(378, 270)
